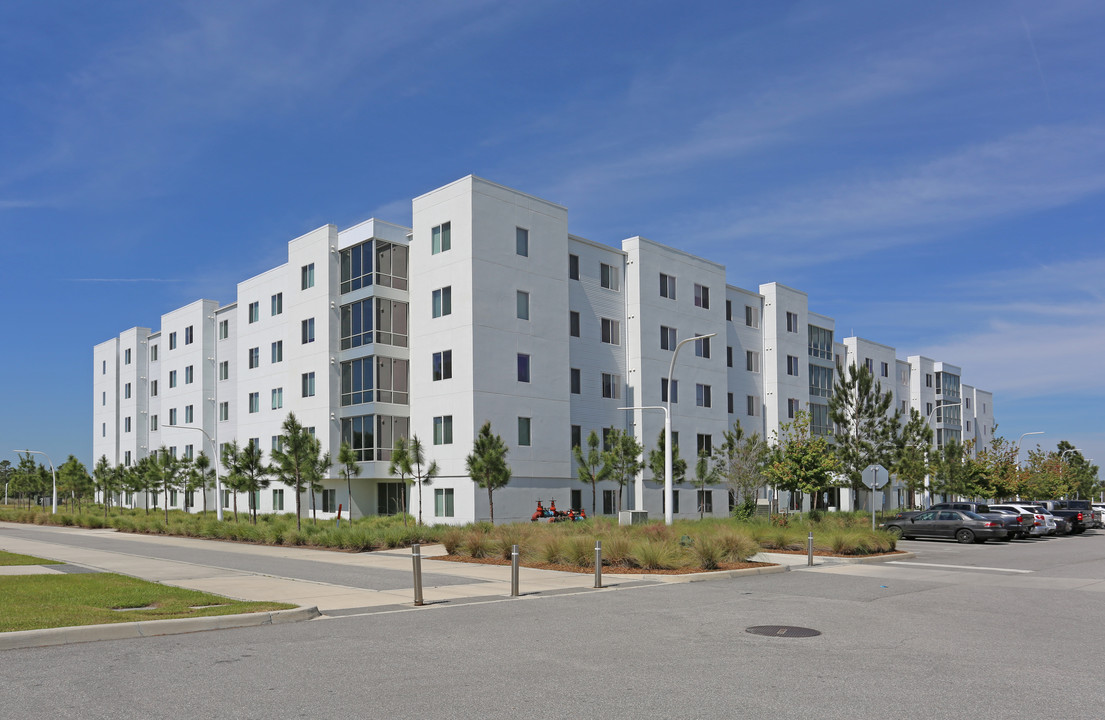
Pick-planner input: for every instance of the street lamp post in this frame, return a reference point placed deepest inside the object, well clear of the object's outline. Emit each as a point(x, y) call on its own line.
point(53, 473)
point(668, 442)
point(214, 463)
point(1018, 446)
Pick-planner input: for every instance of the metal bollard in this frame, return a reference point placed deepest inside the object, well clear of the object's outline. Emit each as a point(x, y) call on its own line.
point(809, 549)
point(514, 571)
point(416, 553)
point(598, 563)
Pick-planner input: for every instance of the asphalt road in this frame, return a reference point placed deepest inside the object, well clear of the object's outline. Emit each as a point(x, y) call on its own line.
point(975, 631)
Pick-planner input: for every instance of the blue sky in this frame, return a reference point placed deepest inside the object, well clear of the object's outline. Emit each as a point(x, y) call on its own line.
point(932, 174)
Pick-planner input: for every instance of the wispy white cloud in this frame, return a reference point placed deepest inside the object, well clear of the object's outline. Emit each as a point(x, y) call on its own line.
point(126, 280)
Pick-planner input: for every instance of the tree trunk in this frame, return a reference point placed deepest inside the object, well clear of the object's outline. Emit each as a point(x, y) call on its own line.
point(235, 507)
point(298, 500)
point(593, 492)
point(491, 505)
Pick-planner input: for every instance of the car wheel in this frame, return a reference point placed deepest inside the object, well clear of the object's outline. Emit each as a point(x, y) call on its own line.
point(895, 532)
point(964, 535)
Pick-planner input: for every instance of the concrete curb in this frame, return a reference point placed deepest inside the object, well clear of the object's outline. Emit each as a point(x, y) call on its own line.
point(149, 628)
point(868, 560)
point(718, 574)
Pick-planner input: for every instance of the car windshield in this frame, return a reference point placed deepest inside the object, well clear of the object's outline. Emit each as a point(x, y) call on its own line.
point(971, 515)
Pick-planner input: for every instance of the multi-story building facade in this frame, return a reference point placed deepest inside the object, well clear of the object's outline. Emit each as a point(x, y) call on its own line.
point(488, 310)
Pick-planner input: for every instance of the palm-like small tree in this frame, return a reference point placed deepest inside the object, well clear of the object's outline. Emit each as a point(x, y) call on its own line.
point(401, 465)
point(253, 474)
point(347, 460)
point(486, 464)
point(233, 480)
point(592, 468)
point(422, 474)
point(318, 467)
point(205, 474)
point(293, 459)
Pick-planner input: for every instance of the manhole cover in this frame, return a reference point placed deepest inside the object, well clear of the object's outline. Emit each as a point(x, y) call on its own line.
point(782, 631)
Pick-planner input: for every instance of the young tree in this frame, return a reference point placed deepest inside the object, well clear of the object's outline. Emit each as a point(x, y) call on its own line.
point(6, 471)
point(1077, 472)
point(107, 481)
point(741, 460)
point(705, 473)
point(955, 473)
point(166, 468)
point(998, 464)
point(656, 462)
point(801, 463)
point(253, 476)
point(74, 480)
point(486, 464)
point(204, 477)
point(318, 467)
point(347, 460)
point(422, 473)
point(908, 461)
point(401, 465)
point(865, 428)
point(232, 481)
point(624, 458)
point(25, 480)
point(591, 468)
point(293, 460)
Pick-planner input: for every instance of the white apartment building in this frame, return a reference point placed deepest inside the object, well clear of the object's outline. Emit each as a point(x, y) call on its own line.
point(487, 310)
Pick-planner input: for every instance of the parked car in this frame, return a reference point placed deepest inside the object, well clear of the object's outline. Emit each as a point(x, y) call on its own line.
point(1099, 514)
point(963, 525)
point(1043, 524)
point(1078, 513)
point(1017, 525)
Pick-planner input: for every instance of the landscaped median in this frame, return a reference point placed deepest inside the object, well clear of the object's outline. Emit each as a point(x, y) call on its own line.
point(63, 601)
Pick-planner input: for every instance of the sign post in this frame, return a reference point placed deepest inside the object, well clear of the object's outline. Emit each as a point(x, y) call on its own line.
point(874, 477)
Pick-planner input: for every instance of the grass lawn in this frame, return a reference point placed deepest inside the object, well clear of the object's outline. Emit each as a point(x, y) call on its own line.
point(7, 558)
point(29, 602)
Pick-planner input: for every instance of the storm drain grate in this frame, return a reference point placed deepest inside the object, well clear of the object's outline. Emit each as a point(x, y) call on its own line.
point(782, 631)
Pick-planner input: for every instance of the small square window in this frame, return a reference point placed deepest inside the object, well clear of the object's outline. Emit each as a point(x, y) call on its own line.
point(189, 375)
point(307, 328)
point(667, 286)
point(254, 312)
point(172, 341)
point(442, 301)
point(277, 303)
point(573, 267)
point(701, 296)
point(728, 356)
point(153, 353)
point(224, 330)
point(224, 370)
point(611, 386)
point(443, 365)
point(573, 323)
point(702, 347)
point(576, 381)
point(278, 351)
point(189, 413)
point(172, 379)
point(443, 502)
point(254, 402)
point(792, 322)
point(126, 356)
point(577, 436)
point(609, 277)
point(522, 303)
point(792, 365)
point(189, 336)
point(751, 316)
point(308, 383)
point(667, 338)
point(254, 357)
point(664, 391)
point(792, 408)
point(611, 331)
point(443, 430)
point(523, 432)
point(523, 368)
point(751, 361)
point(440, 239)
point(521, 241)
point(307, 276)
point(702, 395)
point(277, 398)
point(729, 402)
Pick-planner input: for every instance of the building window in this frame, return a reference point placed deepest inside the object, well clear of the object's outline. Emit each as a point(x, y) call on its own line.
point(523, 367)
point(443, 430)
point(393, 380)
point(728, 356)
point(189, 336)
point(523, 432)
point(729, 403)
point(928, 409)
point(577, 436)
point(441, 238)
point(126, 391)
point(189, 414)
point(172, 379)
point(189, 374)
point(356, 267)
point(307, 382)
point(968, 403)
point(278, 501)
point(278, 351)
point(753, 409)
point(224, 329)
point(189, 452)
point(610, 502)
point(224, 411)
point(443, 365)
point(330, 500)
point(224, 370)
point(820, 424)
point(391, 265)
point(307, 330)
point(821, 381)
point(667, 286)
point(254, 357)
point(573, 323)
point(307, 276)
point(702, 347)
point(701, 296)
point(705, 501)
point(928, 379)
point(254, 403)
point(103, 367)
point(356, 324)
point(751, 316)
point(126, 356)
point(886, 370)
point(705, 444)
point(611, 386)
point(356, 381)
point(667, 338)
point(869, 365)
point(573, 267)
point(521, 242)
point(103, 429)
point(391, 322)
point(702, 395)
point(820, 342)
point(254, 312)
point(153, 423)
point(792, 365)
point(442, 301)
point(172, 341)
point(575, 381)
point(522, 305)
point(443, 502)
point(126, 458)
point(277, 398)
point(609, 277)
point(277, 302)
point(126, 424)
point(664, 390)
point(792, 408)
point(729, 310)
point(611, 331)
point(792, 322)
point(752, 361)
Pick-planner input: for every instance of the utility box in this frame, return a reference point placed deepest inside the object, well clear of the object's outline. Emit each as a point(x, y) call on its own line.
point(632, 517)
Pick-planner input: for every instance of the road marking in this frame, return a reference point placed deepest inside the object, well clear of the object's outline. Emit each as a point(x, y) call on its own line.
point(956, 567)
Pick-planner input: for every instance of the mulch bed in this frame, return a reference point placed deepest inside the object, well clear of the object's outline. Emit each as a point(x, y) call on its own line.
point(606, 569)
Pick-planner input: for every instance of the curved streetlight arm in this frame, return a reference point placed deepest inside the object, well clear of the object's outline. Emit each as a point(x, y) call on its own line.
point(668, 443)
point(639, 499)
point(53, 473)
point(1018, 446)
point(214, 463)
